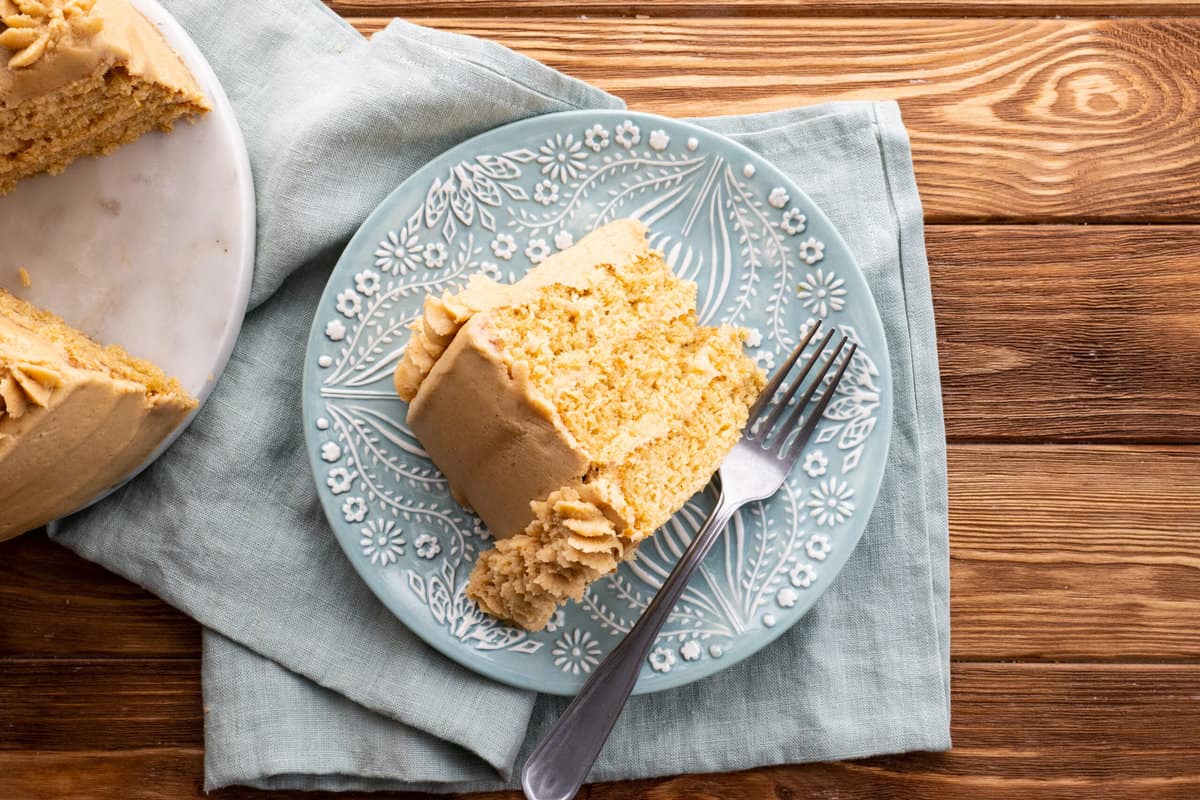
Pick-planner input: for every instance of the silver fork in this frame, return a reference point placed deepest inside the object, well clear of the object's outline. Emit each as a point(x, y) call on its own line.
point(754, 470)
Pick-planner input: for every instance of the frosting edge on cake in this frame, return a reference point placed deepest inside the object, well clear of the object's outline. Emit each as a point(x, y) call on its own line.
point(68, 433)
point(512, 436)
point(118, 35)
point(620, 242)
point(629, 402)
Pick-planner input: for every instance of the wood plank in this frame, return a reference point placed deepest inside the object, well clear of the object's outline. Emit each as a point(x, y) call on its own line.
point(78, 704)
point(1068, 333)
point(1074, 553)
point(1011, 120)
point(177, 774)
point(1044, 730)
point(1059, 553)
point(54, 603)
point(789, 8)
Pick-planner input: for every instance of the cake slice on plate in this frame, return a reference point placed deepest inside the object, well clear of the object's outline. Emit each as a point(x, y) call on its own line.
point(75, 417)
point(575, 411)
point(81, 78)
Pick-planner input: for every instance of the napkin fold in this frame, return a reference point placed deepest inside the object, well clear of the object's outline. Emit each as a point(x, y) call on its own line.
point(309, 682)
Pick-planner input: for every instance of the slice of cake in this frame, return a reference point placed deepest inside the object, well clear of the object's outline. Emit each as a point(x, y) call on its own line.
point(75, 417)
point(575, 411)
point(81, 78)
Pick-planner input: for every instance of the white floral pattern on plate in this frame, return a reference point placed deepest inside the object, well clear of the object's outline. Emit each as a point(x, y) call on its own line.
point(576, 652)
point(382, 541)
point(721, 221)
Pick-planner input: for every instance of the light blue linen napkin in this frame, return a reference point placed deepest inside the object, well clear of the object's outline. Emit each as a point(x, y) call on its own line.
point(309, 682)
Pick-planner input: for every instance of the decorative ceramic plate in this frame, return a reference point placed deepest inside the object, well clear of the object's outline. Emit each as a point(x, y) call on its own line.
point(764, 257)
point(151, 247)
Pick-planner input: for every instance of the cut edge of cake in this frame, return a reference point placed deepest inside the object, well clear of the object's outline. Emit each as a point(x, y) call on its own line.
point(81, 78)
point(75, 416)
point(86, 353)
point(601, 495)
point(442, 317)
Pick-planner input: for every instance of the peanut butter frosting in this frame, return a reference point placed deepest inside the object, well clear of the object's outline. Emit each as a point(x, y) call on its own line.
point(620, 242)
point(68, 433)
point(575, 411)
point(513, 437)
point(571, 542)
point(47, 44)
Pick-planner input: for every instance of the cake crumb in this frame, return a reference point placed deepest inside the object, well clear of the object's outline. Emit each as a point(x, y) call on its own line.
point(26, 281)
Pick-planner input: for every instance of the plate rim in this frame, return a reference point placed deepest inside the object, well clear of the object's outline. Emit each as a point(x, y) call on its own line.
point(189, 52)
point(397, 607)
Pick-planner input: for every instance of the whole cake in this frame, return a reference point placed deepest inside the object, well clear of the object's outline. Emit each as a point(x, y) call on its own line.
point(75, 417)
point(575, 411)
point(80, 78)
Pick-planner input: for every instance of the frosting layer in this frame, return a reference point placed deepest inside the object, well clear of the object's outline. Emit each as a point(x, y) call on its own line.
point(67, 432)
point(575, 411)
point(51, 43)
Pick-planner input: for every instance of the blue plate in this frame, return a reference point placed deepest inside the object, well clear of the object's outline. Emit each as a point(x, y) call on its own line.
point(765, 258)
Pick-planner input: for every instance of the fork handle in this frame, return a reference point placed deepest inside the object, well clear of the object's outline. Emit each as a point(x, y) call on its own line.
point(560, 763)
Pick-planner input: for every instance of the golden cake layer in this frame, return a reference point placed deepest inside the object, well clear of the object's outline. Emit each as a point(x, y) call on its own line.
point(575, 411)
point(75, 417)
point(81, 78)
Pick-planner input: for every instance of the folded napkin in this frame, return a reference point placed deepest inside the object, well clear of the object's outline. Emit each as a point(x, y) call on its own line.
point(309, 682)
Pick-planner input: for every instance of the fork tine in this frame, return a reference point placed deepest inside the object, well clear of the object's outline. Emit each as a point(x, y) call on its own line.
point(778, 434)
point(764, 397)
point(793, 450)
point(773, 417)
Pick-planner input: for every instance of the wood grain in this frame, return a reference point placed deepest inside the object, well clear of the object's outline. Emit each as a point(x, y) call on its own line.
point(54, 603)
point(100, 705)
point(1011, 120)
point(1116, 730)
point(1058, 553)
point(1068, 333)
point(1075, 553)
point(790, 8)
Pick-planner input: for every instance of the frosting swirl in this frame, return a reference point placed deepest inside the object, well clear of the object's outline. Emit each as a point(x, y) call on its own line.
point(33, 27)
point(575, 538)
point(26, 385)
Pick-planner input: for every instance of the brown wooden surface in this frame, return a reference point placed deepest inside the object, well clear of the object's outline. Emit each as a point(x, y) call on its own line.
point(743, 8)
point(1011, 120)
point(1070, 357)
point(1040, 537)
point(1068, 333)
point(68, 706)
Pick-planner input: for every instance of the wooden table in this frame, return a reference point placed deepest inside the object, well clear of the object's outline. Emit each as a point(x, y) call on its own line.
point(1058, 153)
